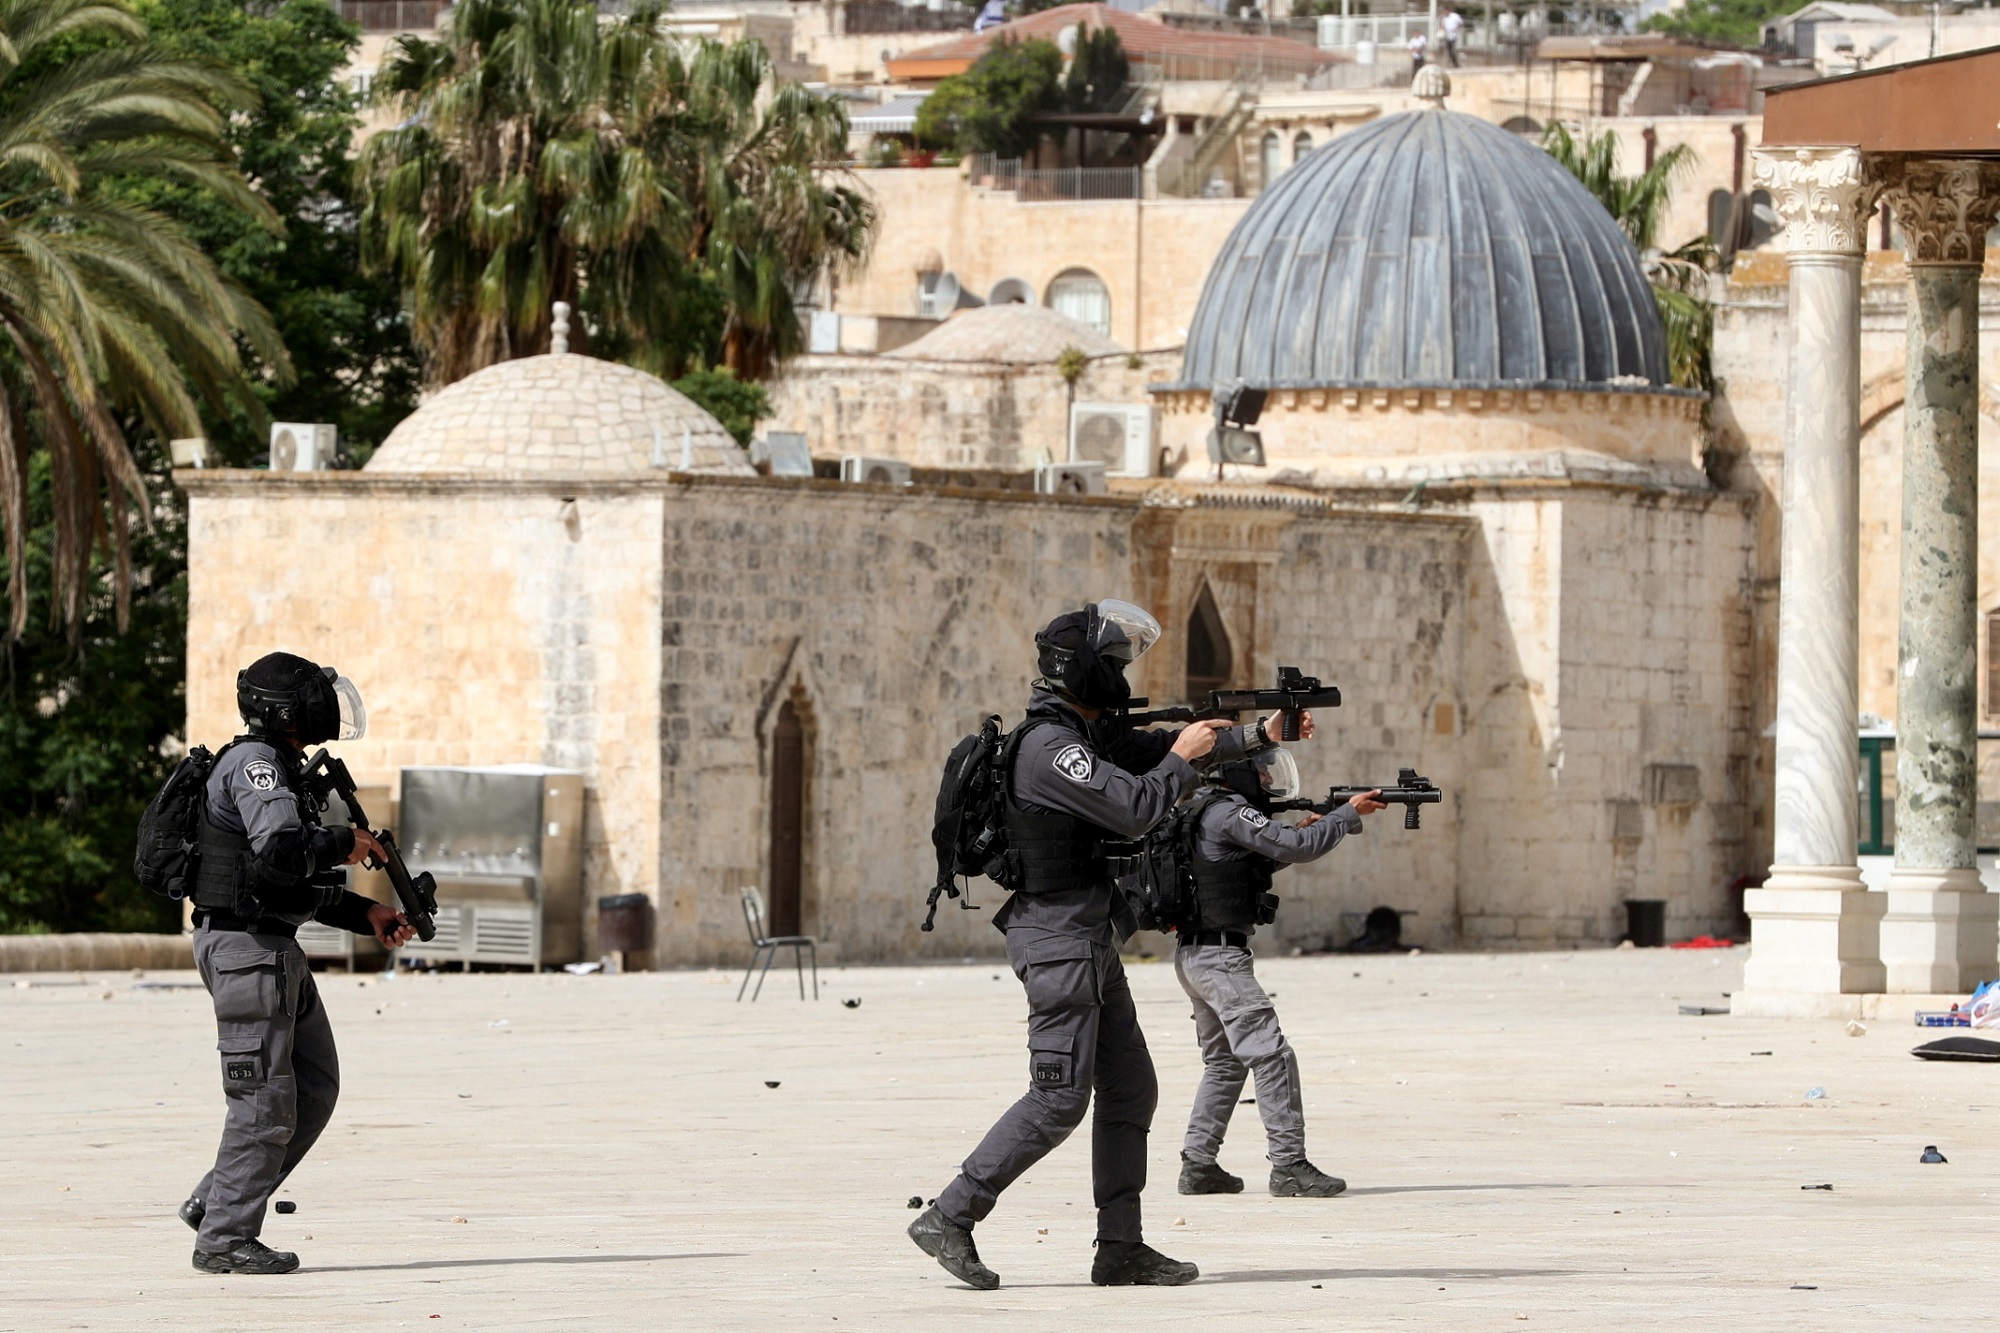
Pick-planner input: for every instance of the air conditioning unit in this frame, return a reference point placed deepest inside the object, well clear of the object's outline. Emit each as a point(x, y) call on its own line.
point(1070, 478)
point(1118, 435)
point(302, 447)
point(874, 471)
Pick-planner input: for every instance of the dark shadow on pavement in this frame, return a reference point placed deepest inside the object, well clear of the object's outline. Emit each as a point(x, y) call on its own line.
point(1348, 1274)
point(1450, 1189)
point(502, 1263)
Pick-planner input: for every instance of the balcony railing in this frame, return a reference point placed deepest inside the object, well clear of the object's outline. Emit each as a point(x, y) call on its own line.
point(391, 15)
point(1057, 185)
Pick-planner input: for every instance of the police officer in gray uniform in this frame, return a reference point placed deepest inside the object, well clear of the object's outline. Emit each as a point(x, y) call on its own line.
point(1237, 846)
point(265, 867)
point(1078, 780)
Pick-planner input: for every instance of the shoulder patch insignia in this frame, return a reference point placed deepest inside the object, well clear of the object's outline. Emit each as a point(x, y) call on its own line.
point(1254, 817)
point(262, 774)
point(1075, 763)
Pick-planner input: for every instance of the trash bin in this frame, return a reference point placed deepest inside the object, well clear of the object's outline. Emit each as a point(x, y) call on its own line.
point(624, 923)
point(1646, 922)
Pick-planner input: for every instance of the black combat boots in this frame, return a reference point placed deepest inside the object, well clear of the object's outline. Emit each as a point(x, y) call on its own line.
point(1133, 1263)
point(1208, 1178)
point(252, 1256)
point(192, 1212)
point(951, 1245)
point(1303, 1180)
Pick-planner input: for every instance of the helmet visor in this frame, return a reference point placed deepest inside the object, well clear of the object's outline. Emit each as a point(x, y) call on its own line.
point(1277, 774)
point(353, 716)
point(1124, 631)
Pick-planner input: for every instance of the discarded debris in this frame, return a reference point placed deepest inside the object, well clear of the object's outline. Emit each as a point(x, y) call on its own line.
point(1248, 1101)
point(852, 1004)
point(582, 969)
point(916, 1201)
point(499, 1023)
point(1760, 1052)
point(1932, 1157)
point(1856, 1028)
point(1704, 1010)
point(1800, 1286)
point(286, 1206)
point(458, 1219)
point(1815, 1094)
point(1827, 1188)
point(1180, 1221)
point(770, 1082)
point(1041, 1231)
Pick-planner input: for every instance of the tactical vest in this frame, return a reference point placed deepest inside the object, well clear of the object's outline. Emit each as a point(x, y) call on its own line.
point(226, 877)
point(1229, 895)
point(1050, 852)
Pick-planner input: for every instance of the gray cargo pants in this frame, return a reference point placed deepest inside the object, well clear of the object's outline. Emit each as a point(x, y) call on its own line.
point(1238, 1030)
point(1083, 1034)
point(280, 1075)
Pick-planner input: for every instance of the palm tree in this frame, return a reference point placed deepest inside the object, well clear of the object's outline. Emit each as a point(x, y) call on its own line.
point(1637, 204)
point(109, 317)
point(548, 155)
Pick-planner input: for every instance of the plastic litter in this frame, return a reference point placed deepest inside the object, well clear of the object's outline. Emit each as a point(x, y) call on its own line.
point(582, 969)
point(1932, 1157)
point(1856, 1028)
point(1703, 942)
point(1815, 1094)
point(286, 1206)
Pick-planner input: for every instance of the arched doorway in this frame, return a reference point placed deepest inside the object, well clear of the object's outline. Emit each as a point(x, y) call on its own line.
point(1209, 660)
point(788, 822)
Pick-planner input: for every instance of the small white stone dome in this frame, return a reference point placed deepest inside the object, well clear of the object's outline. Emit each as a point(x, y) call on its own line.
point(560, 413)
point(1015, 334)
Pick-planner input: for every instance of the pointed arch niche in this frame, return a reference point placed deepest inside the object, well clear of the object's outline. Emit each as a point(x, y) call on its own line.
point(1210, 660)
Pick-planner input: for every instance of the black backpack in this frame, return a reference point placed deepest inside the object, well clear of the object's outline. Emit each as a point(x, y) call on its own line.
point(1162, 892)
point(969, 829)
point(165, 860)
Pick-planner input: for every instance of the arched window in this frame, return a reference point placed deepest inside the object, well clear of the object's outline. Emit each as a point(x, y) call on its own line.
point(1082, 295)
point(788, 822)
point(1721, 207)
point(1302, 143)
point(1209, 660)
point(1268, 156)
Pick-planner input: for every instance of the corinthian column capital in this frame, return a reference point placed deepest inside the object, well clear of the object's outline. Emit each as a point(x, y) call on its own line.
point(1944, 207)
point(1823, 197)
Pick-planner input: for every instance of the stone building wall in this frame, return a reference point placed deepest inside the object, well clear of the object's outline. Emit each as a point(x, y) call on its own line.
point(949, 414)
point(486, 622)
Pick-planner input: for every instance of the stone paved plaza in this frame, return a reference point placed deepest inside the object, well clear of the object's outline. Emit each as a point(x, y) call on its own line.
point(1532, 1140)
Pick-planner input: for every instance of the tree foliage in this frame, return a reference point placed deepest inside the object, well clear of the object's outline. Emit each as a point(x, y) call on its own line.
point(1736, 22)
point(343, 328)
point(738, 405)
point(991, 107)
point(87, 728)
point(664, 188)
point(111, 318)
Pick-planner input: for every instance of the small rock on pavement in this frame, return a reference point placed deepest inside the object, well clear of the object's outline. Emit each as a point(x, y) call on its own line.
point(1931, 1155)
point(851, 1004)
point(286, 1206)
point(916, 1201)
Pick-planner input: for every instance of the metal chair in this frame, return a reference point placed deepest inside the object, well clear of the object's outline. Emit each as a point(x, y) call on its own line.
point(767, 946)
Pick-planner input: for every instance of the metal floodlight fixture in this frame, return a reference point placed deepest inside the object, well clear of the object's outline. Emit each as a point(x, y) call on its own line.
point(1237, 404)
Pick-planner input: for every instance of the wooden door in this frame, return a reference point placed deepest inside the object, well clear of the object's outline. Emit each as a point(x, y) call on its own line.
point(788, 822)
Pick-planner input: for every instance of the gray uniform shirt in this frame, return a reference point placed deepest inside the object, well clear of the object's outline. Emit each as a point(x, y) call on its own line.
point(249, 794)
point(1232, 829)
point(1125, 792)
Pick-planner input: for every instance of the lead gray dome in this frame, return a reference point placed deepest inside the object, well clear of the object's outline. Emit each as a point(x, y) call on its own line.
point(1428, 249)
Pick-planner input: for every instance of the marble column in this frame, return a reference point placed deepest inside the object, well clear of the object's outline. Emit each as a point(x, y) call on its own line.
point(1815, 930)
point(1939, 933)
